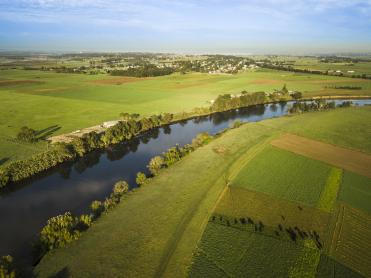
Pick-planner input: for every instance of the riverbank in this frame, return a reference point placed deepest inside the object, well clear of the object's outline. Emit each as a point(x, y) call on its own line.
point(79, 144)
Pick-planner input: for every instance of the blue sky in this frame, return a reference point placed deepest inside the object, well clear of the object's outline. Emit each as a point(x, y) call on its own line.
point(212, 26)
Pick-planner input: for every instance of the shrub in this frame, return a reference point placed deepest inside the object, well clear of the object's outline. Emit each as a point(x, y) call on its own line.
point(172, 155)
point(108, 204)
point(201, 139)
point(155, 165)
point(7, 267)
point(83, 222)
point(119, 189)
point(96, 208)
point(236, 124)
point(4, 178)
point(58, 231)
point(141, 178)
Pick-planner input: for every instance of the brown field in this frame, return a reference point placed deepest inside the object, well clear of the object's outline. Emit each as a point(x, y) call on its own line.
point(119, 80)
point(18, 82)
point(351, 239)
point(353, 161)
point(239, 202)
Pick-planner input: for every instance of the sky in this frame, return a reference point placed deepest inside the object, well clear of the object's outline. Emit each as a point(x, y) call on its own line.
point(187, 26)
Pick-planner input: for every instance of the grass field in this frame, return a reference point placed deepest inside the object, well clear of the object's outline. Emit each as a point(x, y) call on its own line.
point(330, 192)
point(66, 102)
point(356, 191)
point(230, 252)
point(239, 203)
point(285, 175)
point(351, 240)
point(157, 228)
point(349, 128)
point(355, 161)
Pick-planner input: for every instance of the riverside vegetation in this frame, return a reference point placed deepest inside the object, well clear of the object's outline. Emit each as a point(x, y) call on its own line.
point(63, 229)
point(126, 129)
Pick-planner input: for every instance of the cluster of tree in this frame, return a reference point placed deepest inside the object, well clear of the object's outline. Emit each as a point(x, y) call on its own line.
point(346, 87)
point(292, 69)
point(7, 268)
point(228, 102)
point(63, 229)
point(18, 170)
point(147, 70)
point(176, 153)
point(317, 105)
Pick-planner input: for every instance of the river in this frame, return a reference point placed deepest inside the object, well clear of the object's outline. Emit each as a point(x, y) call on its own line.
point(25, 208)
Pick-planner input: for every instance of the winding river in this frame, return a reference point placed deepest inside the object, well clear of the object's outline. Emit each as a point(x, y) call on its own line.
point(25, 208)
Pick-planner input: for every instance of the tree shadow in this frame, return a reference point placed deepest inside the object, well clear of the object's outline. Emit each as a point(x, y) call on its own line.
point(3, 160)
point(46, 132)
point(63, 273)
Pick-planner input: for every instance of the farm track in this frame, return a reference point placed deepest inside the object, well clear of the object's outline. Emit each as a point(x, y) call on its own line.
point(234, 167)
point(354, 161)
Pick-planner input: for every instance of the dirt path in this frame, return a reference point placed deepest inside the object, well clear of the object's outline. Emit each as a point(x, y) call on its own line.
point(351, 160)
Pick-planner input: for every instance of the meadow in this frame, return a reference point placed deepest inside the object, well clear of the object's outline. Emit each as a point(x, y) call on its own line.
point(144, 237)
point(56, 103)
point(285, 175)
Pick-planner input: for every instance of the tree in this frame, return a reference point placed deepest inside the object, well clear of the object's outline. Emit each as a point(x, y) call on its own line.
point(7, 267)
point(96, 208)
point(120, 188)
point(141, 178)
point(296, 95)
point(155, 165)
point(27, 134)
point(284, 90)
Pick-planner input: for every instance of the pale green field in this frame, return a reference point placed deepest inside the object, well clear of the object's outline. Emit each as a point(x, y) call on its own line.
point(67, 102)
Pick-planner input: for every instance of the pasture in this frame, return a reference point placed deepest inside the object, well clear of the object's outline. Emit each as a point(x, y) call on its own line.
point(285, 175)
point(62, 103)
point(355, 191)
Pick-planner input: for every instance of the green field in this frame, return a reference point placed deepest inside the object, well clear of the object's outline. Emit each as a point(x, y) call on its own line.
point(349, 128)
point(157, 229)
point(285, 175)
point(230, 252)
point(60, 103)
point(355, 191)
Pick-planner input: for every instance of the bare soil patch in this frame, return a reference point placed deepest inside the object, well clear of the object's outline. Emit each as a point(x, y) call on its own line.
point(18, 82)
point(119, 80)
point(351, 160)
point(351, 239)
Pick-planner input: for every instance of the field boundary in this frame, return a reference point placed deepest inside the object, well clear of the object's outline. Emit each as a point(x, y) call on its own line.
point(354, 161)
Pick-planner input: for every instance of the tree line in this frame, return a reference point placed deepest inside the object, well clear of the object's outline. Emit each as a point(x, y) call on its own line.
point(148, 70)
point(292, 69)
point(130, 126)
